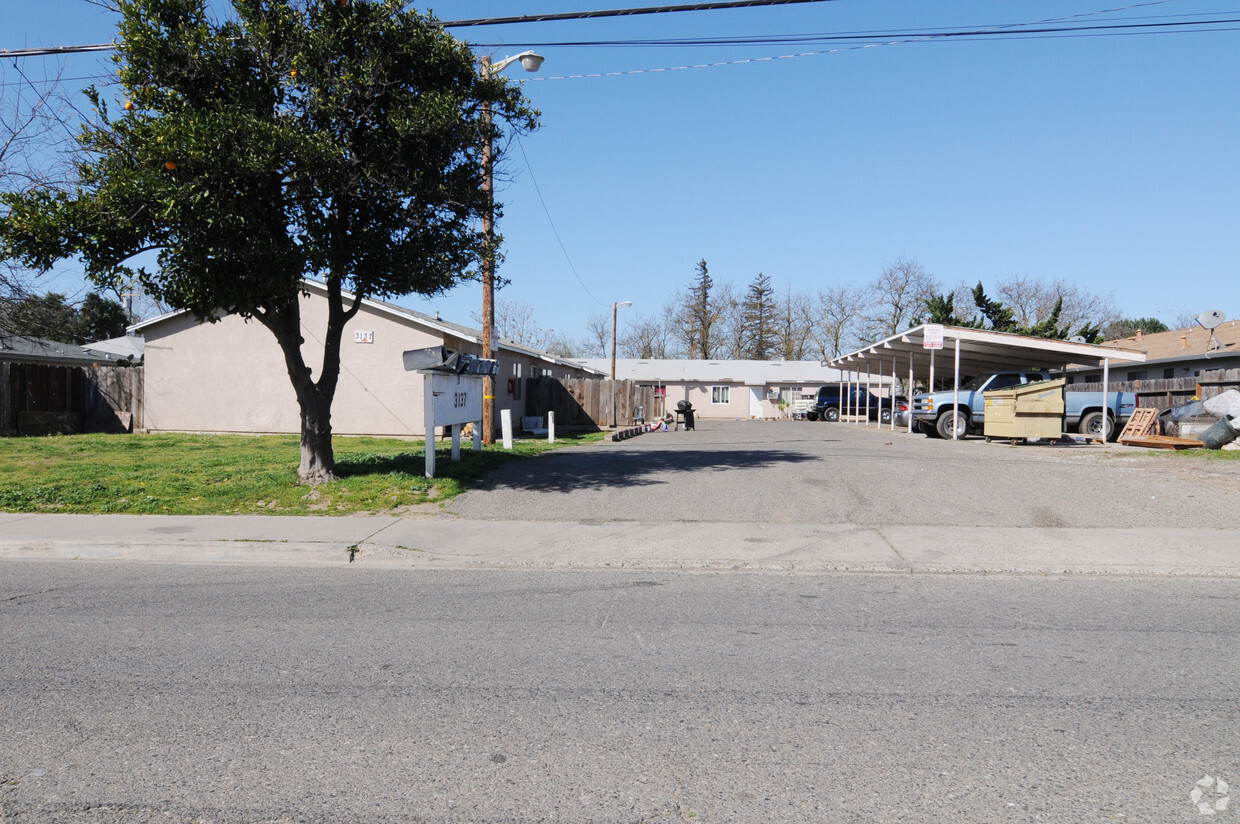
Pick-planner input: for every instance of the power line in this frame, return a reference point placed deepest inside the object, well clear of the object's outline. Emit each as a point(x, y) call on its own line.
point(481, 21)
point(529, 168)
point(590, 15)
point(1009, 31)
point(52, 50)
point(1225, 24)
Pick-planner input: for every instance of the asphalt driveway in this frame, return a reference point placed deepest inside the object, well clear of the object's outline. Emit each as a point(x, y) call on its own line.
point(823, 473)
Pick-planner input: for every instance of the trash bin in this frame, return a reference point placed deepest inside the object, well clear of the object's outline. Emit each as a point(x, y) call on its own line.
point(1221, 433)
point(1030, 410)
point(684, 412)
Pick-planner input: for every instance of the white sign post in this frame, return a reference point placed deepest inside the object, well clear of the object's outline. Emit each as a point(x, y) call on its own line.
point(450, 400)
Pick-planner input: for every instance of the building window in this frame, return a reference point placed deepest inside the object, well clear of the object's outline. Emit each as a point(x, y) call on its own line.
point(1169, 373)
point(721, 394)
point(1136, 376)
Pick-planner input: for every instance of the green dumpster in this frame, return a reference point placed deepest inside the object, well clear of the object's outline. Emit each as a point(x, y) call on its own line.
point(1030, 410)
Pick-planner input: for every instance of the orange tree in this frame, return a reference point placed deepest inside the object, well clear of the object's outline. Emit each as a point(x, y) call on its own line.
point(331, 139)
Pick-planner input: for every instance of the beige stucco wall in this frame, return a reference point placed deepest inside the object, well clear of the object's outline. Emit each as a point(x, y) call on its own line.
point(230, 376)
point(700, 396)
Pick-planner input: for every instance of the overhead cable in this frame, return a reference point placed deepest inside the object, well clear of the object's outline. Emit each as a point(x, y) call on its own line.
point(590, 15)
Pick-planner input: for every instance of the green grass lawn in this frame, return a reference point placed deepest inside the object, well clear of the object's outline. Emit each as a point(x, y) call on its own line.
point(234, 474)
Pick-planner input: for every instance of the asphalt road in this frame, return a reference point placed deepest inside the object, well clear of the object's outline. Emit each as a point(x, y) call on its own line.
point(179, 693)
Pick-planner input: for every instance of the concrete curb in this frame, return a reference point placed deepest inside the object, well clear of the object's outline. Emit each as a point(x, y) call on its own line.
point(446, 542)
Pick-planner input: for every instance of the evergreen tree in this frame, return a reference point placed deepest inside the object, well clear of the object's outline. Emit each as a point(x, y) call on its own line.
point(100, 318)
point(700, 316)
point(758, 320)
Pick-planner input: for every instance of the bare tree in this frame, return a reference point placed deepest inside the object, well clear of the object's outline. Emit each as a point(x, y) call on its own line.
point(647, 337)
point(598, 336)
point(37, 128)
point(563, 346)
point(514, 321)
point(1033, 301)
point(840, 313)
point(795, 326)
point(897, 297)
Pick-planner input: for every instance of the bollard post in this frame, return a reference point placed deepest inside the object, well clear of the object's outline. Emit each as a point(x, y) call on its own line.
point(505, 421)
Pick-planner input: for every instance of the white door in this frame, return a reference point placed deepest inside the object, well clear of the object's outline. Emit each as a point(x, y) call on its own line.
point(755, 402)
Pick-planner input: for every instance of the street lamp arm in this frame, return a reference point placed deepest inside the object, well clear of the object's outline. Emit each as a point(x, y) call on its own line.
point(530, 61)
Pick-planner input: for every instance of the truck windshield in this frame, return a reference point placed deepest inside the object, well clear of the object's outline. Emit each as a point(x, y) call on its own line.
point(975, 384)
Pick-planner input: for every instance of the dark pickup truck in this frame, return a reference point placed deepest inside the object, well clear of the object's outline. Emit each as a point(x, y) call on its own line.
point(856, 401)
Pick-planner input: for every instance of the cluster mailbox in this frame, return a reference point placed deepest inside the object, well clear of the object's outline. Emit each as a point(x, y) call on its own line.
point(452, 394)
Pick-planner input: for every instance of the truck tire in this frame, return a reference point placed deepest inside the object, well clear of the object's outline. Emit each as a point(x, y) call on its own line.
point(945, 423)
point(884, 416)
point(812, 415)
point(1091, 426)
point(831, 414)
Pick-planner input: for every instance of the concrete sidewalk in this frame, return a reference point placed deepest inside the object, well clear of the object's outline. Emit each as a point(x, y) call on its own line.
point(450, 542)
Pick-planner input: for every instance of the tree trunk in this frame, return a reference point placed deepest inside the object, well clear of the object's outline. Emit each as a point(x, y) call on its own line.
point(314, 398)
point(318, 462)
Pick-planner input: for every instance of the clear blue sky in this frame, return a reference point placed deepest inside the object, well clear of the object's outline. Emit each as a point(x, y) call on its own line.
point(1109, 161)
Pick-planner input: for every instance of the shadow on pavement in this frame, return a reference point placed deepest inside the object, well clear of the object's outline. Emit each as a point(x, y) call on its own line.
point(567, 472)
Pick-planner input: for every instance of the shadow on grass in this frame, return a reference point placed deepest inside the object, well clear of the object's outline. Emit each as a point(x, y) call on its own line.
point(471, 467)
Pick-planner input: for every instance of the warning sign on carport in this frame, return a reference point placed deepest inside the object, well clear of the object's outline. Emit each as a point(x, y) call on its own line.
point(933, 336)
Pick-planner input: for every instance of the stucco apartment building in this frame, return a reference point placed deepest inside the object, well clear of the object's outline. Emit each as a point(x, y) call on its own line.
point(229, 376)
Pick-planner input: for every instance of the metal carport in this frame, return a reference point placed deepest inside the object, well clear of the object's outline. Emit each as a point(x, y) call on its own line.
point(976, 351)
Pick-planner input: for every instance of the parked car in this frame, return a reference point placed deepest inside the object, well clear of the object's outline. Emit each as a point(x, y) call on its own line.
point(903, 411)
point(832, 402)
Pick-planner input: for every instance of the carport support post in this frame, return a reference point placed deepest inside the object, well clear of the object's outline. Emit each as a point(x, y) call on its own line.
point(869, 388)
point(856, 401)
point(854, 378)
point(1106, 385)
point(912, 390)
point(895, 364)
point(956, 396)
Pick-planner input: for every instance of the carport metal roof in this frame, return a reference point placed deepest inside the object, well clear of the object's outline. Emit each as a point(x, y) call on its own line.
point(981, 351)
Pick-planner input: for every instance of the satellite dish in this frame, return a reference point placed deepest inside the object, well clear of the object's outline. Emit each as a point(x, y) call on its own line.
point(1077, 339)
point(1210, 320)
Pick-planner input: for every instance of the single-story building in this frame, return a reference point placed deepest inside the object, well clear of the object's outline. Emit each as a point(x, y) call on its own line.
point(1178, 353)
point(229, 376)
point(728, 388)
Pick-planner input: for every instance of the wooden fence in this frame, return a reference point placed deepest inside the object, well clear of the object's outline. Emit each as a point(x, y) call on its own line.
point(583, 403)
point(41, 399)
point(1167, 392)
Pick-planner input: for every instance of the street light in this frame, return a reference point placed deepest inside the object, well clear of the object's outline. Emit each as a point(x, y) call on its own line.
point(614, 307)
point(530, 62)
